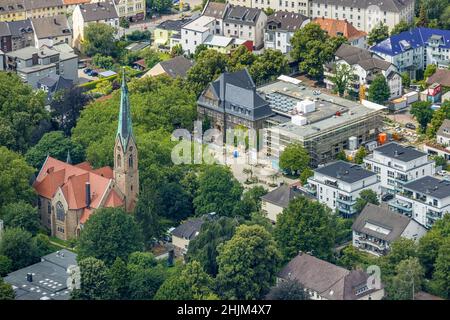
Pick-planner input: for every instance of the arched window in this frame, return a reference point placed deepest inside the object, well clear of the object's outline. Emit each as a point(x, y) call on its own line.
point(60, 213)
point(119, 160)
point(130, 161)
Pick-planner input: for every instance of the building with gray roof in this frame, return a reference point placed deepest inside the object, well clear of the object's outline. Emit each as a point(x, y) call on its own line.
point(325, 281)
point(175, 67)
point(45, 280)
point(376, 228)
point(50, 31)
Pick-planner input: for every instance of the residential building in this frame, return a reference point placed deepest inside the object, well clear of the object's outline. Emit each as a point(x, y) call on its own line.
point(366, 66)
point(69, 194)
point(232, 100)
point(442, 145)
point(322, 280)
point(100, 12)
point(246, 24)
point(45, 280)
point(300, 6)
point(175, 67)
point(375, 228)
point(226, 44)
point(32, 64)
point(22, 34)
point(426, 200)
point(72, 4)
point(50, 31)
point(5, 37)
point(338, 185)
point(133, 10)
point(335, 27)
point(323, 124)
point(44, 8)
point(196, 32)
point(415, 49)
point(167, 29)
point(396, 165)
point(281, 27)
point(217, 11)
point(53, 84)
point(184, 233)
point(12, 10)
point(441, 76)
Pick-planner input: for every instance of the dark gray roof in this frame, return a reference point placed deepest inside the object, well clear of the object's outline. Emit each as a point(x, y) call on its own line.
point(282, 195)
point(383, 218)
point(215, 10)
point(176, 67)
point(397, 151)
point(39, 4)
point(345, 171)
point(242, 15)
point(49, 278)
point(47, 27)
point(98, 11)
point(385, 5)
point(173, 25)
point(18, 28)
point(4, 30)
point(189, 229)
point(353, 55)
point(55, 83)
point(444, 129)
point(330, 281)
point(286, 21)
point(430, 186)
point(11, 6)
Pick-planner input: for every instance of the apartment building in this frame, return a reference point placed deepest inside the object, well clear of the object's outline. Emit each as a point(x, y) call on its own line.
point(376, 228)
point(196, 32)
point(338, 185)
point(413, 50)
point(396, 165)
point(16, 35)
point(335, 27)
point(165, 33)
point(50, 31)
point(44, 8)
point(280, 29)
point(133, 10)
point(12, 10)
point(426, 200)
point(366, 66)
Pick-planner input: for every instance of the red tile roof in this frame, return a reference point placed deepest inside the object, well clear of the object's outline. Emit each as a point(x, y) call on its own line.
point(334, 27)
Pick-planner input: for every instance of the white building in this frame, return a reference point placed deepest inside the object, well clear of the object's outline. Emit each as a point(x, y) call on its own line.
point(339, 184)
point(281, 27)
point(50, 31)
point(396, 165)
point(366, 66)
point(442, 145)
point(376, 228)
point(101, 12)
point(426, 200)
point(196, 32)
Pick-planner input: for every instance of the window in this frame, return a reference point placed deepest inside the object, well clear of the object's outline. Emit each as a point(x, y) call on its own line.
point(60, 213)
point(49, 208)
point(130, 161)
point(119, 160)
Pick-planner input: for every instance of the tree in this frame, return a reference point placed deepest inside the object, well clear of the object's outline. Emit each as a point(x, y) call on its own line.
point(343, 77)
point(17, 245)
point(203, 248)
point(250, 203)
point(408, 279)
point(218, 191)
point(41, 243)
point(365, 197)
point(241, 58)
point(95, 280)
point(56, 145)
point(422, 112)
point(438, 118)
point(199, 49)
point(146, 276)
point(400, 250)
point(441, 276)
point(66, 106)
point(208, 66)
point(341, 156)
point(5, 266)
point(105, 62)
point(440, 161)
point(124, 23)
point(400, 27)
point(379, 91)
point(119, 280)
point(306, 173)
point(268, 66)
point(352, 258)
point(177, 50)
point(433, 8)
point(445, 19)
point(423, 18)
point(159, 5)
point(6, 291)
point(288, 290)
point(192, 284)
point(294, 158)
point(429, 70)
point(360, 155)
point(151, 57)
point(305, 225)
point(99, 38)
point(406, 80)
point(247, 264)
point(109, 234)
point(21, 215)
point(378, 34)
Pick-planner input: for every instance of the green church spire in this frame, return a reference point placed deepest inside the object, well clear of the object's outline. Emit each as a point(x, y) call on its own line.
point(125, 128)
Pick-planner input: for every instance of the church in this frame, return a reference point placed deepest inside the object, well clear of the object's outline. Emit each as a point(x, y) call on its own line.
point(68, 194)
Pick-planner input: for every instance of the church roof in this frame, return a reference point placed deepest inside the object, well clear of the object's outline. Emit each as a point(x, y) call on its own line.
point(125, 128)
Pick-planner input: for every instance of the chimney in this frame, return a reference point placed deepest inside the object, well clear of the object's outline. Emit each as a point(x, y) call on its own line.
point(29, 277)
point(88, 195)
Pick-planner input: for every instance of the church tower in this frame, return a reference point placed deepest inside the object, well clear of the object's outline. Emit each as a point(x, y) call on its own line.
point(126, 172)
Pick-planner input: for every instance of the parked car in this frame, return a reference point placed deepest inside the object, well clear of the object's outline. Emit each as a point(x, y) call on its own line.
point(93, 73)
point(411, 126)
point(87, 70)
point(387, 197)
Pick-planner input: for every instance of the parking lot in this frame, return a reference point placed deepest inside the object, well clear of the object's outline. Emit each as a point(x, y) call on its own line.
point(83, 77)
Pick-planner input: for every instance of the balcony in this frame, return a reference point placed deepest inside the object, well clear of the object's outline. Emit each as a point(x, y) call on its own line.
point(346, 209)
point(400, 206)
point(310, 188)
point(346, 200)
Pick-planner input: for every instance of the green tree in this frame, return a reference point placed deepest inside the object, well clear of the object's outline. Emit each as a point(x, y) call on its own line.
point(440, 161)
point(192, 284)
point(251, 202)
point(99, 38)
point(438, 118)
point(268, 66)
point(177, 50)
point(360, 155)
point(203, 248)
point(6, 291)
point(305, 225)
point(247, 264)
point(352, 258)
point(105, 62)
point(306, 173)
point(17, 245)
point(124, 23)
point(56, 145)
point(151, 57)
point(109, 234)
point(429, 70)
point(378, 34)
point(119, 280)
point(95, 280)
point(41, 243)
point(341, 156)
point(406, 79)
point(199, 49)
point(433, 8)
point(422, 21)
point(408, 279)
point(288, 290)
point(444, 20)
point(422, 112)
point(400, 27)
point(379, 91)
point(21, 215)
point(441, 277)
point(146, 276)
point(5, 266)
point(218, 191)
point(343, 77)
point(365, 197)
point(241, 58)
point(294, 158)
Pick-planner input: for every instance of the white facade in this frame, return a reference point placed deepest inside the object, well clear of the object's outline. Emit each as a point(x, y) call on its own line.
point(279, 38)
point(195, 33)
point(249, 32)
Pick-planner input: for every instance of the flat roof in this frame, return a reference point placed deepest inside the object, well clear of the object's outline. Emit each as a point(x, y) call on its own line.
point(199, 24)
point(397, 151)
point(344, 171)
point(430, 186)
